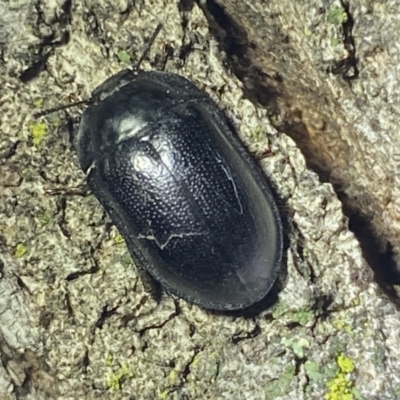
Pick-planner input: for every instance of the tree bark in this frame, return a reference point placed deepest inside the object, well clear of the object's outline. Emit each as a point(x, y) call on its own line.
point(309, 87)
point(329, 74)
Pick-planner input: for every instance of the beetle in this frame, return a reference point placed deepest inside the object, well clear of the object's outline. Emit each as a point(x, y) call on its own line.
point(192, 205)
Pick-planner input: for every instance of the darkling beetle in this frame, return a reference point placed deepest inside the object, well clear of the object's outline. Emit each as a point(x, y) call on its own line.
point(193, 207)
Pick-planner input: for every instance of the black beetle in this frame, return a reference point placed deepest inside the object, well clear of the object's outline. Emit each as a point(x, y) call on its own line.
point(192, 205)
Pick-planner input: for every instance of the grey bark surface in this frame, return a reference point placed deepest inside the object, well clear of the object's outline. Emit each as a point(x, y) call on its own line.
point(75, 319)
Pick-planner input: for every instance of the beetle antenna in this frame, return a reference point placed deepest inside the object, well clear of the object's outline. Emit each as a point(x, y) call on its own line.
point(87, 101)
point(148, 47)
point(59, 108)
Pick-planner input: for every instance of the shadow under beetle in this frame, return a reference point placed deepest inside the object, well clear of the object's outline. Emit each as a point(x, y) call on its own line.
point(193, 207)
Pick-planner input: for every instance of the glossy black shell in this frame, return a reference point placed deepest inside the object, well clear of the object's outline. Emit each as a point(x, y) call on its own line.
point(192, 205)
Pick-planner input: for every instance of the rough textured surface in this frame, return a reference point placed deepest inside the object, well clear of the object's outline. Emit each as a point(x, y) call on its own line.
point(333, 67)
point(75, 320)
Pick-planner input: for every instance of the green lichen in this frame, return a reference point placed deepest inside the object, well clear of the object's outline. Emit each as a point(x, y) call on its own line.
point(341, 386)
point(302, 317)
point(336, 15)
point(163, 395)
point(298, 346)
point(345, 364)
point(54, 119)
point(125, 259)
point(257, 134)
point(44, 218)
point(378, 355)
point(396, 392)
point(337, 346)
point(173, 376)
point(318, 374)
point(313, 372)
point(118, 239)
point(109, 360)
point(342, 325)
point(124, 57)
point(38, 103)
point(21, 250)
point(38, 132)
point(281, 386)
point(115, 378)
point(334, 41)
point(307, 32)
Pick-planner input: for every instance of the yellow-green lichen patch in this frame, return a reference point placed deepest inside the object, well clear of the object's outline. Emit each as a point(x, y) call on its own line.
point(118, 239)
point(174, 376)
point(342, 325)
point(21, 250)
point(109, 360)
point(38, 131)
point(174, 379)
point(307, 32)
point(257, 134)
point(115, 378)
point(344, 322)
point(345, 364)
point(38, 103)
point(163, 395)
point(341, 386)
